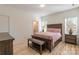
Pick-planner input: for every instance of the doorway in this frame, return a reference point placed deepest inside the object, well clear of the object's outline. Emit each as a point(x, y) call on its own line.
point(35, 26)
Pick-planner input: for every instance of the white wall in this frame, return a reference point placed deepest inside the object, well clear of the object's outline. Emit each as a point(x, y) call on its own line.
point(60, 18)
point(20, 22)
point(4, 27)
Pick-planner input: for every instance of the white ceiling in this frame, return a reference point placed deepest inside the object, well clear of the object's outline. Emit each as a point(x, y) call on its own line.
point(49, 8)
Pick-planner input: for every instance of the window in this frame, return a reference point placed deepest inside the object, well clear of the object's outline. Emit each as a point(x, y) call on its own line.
point(43, 24)
point(71, 25)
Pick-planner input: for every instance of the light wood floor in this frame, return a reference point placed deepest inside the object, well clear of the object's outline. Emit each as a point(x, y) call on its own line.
point(61, 49)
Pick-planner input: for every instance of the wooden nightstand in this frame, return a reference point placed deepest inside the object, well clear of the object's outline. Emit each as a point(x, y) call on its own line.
point(70, 38)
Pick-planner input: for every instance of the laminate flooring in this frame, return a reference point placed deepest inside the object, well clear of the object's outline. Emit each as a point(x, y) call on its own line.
point(61, 49)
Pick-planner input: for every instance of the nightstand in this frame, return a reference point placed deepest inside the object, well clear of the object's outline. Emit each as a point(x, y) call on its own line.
point(70, 38)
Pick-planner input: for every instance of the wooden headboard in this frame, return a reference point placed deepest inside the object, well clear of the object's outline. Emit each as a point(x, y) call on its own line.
point(59, 26)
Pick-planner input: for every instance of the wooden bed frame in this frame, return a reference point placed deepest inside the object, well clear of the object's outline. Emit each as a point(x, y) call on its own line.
point(49, 42)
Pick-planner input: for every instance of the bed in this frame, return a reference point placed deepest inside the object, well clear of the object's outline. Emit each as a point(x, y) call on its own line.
point(52, 36)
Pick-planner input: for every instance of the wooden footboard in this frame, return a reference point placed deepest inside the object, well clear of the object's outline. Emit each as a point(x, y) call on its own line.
point(57, 42)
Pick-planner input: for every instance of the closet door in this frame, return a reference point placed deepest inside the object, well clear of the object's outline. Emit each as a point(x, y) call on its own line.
point(4, 24)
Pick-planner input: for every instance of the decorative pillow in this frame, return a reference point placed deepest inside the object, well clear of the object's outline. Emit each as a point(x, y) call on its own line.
point(53, 30)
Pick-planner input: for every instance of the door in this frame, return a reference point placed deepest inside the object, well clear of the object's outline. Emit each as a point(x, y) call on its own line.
point(35, 26)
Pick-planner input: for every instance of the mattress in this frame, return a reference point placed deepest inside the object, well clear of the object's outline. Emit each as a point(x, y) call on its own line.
point(53, 36)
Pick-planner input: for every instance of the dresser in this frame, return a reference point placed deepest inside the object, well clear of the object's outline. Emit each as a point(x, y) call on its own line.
point(70, 38)
point(6, 44)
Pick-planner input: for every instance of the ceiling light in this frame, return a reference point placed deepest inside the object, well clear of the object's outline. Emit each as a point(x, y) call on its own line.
point(42, 5)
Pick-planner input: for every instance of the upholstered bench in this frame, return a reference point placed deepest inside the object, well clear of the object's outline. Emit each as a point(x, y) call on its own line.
point(36, 41)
